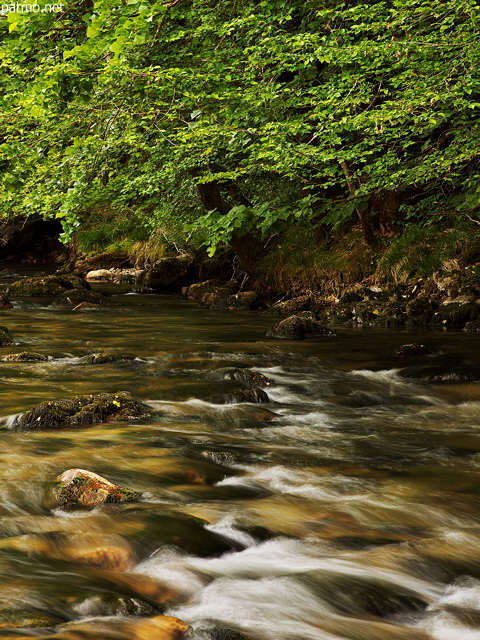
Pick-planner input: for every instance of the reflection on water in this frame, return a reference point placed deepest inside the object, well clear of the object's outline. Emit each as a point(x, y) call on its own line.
point(346, 508)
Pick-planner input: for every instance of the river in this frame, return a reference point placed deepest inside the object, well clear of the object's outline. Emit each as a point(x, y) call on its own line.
point(346, 508)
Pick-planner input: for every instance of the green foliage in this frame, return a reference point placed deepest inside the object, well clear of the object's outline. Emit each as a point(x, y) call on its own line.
point(132, 105)
point(421, 250)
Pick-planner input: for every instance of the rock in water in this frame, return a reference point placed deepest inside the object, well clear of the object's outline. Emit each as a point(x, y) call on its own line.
point(25, 356)
point(414, 349)
point(81, 489)
point(298, 328)
point(254, 395)
point(74, 297)
point(5, 337)
point(5, 302)
point(39, 286)
point(103, 358)
point(82, 410)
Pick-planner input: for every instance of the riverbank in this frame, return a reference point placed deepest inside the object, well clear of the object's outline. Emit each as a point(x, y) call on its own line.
point(422, 277)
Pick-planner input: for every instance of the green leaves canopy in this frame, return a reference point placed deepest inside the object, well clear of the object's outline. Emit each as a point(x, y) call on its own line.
point(132, 103)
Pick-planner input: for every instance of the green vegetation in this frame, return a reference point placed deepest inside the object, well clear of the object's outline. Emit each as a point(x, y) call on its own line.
point(193, 121)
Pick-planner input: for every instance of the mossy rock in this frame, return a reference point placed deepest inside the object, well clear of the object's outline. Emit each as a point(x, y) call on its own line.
point(82, 489)
point(237, 396)
point(5, 337)
point(74, 297)
point(221, 301)
point(103, 358)
point(411, 350)
point(298, 328)
point(82, 410)
point(39, 286)
point(248, 377)
point(199, 289)
point(25, 356)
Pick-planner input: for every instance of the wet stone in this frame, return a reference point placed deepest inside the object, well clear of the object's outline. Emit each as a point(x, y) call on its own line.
point(5, 302)
point(249, 377)
point(103, 358)
point(5, 337)
point(82, 489)
point(298, 328)
point(25, 356)
point(82, 410)
point(255, 395)
point(414, 349)
point(39, 286)
point(74, 297)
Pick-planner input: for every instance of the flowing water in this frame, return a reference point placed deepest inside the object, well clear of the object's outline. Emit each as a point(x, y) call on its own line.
point(346, 508)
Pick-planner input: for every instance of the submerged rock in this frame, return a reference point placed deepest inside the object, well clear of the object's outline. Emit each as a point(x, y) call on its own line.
point(77, 296)
point(249, 377)
point(443, 373)
point(82, 410)
point(255, 395)
point(82, 489)
point(154, 628)
point(25, 356)
point(414, 349)
point(103, 358)
point(5, 302)
point(5, 337)
point(298, 328)
point(40, 286)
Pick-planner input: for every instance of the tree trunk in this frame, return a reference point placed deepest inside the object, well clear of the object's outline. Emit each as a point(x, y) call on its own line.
point(247, 247)
point(362, 216)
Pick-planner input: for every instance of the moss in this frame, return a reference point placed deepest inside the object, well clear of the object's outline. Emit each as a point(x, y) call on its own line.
point(82, 410)
point(42, 287)
point(456, 314)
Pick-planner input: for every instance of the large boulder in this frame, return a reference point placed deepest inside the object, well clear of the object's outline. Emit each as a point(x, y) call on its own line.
point(40, 286)
point(118, 276)
point(168, 275)
point(5, 337)
point(298, 328)
point(5, 302)
point(81, 489)
point(82, 410)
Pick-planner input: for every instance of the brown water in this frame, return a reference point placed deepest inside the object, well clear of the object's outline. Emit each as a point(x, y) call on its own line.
point(353, 514)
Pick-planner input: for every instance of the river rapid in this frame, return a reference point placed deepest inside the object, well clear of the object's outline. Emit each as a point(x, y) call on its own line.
point(351, 511)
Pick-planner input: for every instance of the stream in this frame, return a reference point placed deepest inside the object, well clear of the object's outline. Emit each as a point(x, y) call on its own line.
point(347, 508)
